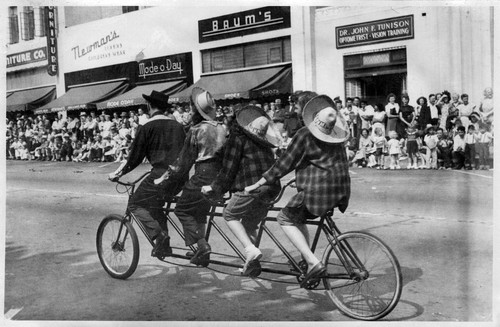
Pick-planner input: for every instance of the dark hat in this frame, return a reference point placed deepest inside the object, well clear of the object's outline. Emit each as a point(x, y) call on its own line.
point(319, 126)
point(204, 103)
point(475, 115)
point(157, 99)
point(257, 125)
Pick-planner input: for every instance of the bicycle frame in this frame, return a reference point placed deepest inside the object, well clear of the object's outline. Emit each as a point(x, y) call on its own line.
point(325, 225)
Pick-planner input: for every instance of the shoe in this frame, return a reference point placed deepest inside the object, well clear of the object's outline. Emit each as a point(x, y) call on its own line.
point(252, 266)
point(162, 246)
point(251, 269)
point(316, 271)
point(202, 255)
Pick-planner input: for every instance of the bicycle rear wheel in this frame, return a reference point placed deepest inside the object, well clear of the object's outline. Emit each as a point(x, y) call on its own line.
point(117, 246)
point(374, 288)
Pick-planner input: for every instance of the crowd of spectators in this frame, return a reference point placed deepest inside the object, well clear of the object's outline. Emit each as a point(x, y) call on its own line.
point(442, 131)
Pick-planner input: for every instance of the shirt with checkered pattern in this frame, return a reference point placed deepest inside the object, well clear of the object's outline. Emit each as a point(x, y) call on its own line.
point(322, 173)
point(244, 161)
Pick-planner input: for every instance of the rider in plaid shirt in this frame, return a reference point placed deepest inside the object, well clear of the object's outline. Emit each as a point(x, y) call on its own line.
point(244, 161)
point(321, 166)
point(247, 155)
point(322, 173)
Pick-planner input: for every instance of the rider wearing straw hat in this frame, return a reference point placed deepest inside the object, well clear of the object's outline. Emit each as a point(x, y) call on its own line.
point(247, 155)
point(317, 154)
point(201, 149)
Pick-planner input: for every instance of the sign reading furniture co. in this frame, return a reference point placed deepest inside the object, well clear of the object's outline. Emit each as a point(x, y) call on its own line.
point(384, 30)
point(50, 26)
point(26, 57)
point(244, 23)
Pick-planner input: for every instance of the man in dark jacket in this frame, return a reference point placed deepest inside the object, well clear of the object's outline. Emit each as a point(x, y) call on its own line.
point(159, 140)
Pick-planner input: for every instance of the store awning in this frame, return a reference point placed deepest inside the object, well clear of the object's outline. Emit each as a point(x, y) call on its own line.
point(134, 97)
point(30, 99)
point(84, 97)
point(245, 84)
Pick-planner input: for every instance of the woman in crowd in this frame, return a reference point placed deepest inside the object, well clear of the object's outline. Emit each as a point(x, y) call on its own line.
point(392, 112)
point(406, 116)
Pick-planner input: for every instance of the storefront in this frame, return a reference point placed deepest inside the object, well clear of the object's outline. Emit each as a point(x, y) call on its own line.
point(373, 51)
point(29, 86)
point(241, 70)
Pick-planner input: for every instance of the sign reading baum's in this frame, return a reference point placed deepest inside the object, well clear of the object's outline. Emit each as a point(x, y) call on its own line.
point(384, 30)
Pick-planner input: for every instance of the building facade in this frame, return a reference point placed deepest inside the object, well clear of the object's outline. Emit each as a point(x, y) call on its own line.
point(246, 52)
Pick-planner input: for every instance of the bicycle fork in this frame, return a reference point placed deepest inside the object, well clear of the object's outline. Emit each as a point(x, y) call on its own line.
point(345, 253)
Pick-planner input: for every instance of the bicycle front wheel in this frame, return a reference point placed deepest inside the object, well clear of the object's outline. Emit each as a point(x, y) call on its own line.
point(117, 246)
point(373, 288)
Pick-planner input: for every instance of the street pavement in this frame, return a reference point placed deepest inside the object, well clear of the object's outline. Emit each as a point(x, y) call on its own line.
point(439, 223)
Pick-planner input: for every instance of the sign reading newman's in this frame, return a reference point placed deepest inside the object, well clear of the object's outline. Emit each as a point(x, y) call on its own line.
point(384, 30)
point(244, 23)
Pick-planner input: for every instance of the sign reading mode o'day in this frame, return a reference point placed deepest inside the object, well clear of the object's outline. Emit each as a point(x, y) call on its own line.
point(384, 30)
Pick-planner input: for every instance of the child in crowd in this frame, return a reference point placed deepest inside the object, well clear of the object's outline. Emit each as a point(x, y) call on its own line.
point(66, 149)
point(470, 148)
point(123, 149)
point(379, 143)
point(394, 149)
point(56, 148)
point(484, 139)
point(431, 140)
point(285, 141)
point(458, 154)
point(365, 144)
point(412, 147)
point(444, 147)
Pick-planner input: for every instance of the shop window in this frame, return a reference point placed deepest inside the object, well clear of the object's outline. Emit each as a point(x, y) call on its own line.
point(13, 26)
point(376, 59)
point(352, 88)
point(275, 55)
point(126, 9)
point(27, 24)
point(247, 55)
point(40, 21)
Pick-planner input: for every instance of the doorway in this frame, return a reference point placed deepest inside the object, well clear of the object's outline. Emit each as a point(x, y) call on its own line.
point(374, 89)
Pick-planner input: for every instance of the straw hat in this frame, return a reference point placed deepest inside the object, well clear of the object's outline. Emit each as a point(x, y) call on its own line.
point(204, 103)
point(157, 99)
point(428, 127)
point(320, 123)
point(257, 125)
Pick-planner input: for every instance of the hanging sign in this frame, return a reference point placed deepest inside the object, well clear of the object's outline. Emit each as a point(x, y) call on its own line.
point(50, 27)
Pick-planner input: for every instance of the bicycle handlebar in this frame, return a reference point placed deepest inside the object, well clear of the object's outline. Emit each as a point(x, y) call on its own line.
point(282, 191)
point(134, 182)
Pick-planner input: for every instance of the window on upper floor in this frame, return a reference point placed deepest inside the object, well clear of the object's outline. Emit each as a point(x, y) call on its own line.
point(247, 55)
point(40, 21)
point(13, 26)
point(27, 23)
point(127, 9)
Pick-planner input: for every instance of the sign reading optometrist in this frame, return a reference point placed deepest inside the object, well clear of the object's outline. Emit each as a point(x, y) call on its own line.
point(384, 30)
point(243, 23)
